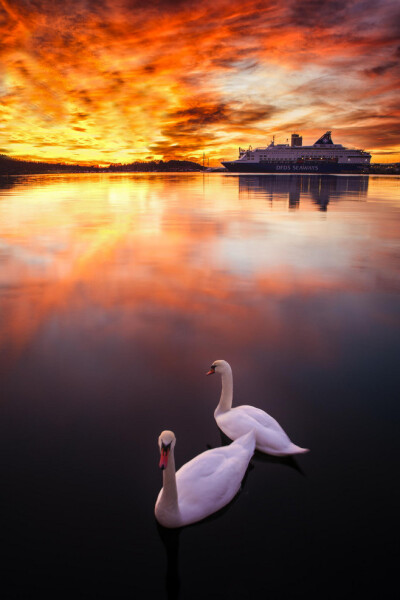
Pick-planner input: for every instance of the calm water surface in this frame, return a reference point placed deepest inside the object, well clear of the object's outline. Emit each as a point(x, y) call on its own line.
point(116, 294)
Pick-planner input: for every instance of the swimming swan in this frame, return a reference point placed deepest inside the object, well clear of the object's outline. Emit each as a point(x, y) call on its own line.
point(234, 422)
point(204, 484)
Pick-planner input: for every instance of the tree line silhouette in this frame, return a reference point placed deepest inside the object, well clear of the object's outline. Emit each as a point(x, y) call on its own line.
point(14, 166)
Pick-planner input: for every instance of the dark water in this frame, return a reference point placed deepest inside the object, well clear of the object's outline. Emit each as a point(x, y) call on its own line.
point(117, 293)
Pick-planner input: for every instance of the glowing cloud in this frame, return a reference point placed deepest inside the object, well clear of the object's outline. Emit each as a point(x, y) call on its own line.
point(117, 80)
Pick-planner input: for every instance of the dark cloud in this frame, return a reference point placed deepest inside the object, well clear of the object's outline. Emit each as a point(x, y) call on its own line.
point(249, 115)
point(199, 116)
point(203, 115)
point(194, 127)
point(149, 69)
point(356, 115)
point(168, 150)
point(378, 136)
point(381, 69)
point(312, 13)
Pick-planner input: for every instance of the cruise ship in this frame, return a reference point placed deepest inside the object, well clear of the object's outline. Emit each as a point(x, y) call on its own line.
point(322, 157)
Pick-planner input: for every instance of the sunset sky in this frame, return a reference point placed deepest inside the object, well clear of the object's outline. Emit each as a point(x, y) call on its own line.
point(101, 81)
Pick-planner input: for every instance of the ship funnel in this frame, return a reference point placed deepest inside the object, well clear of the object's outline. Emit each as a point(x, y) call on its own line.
point(297, 140)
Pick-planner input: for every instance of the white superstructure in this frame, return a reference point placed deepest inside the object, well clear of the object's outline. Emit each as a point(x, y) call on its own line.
point(323, 149)
point(323, 156)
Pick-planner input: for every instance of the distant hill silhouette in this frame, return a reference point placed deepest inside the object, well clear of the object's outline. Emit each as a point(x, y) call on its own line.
point(14, 166)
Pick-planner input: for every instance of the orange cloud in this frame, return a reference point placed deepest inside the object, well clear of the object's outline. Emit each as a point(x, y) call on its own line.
point(116, 81)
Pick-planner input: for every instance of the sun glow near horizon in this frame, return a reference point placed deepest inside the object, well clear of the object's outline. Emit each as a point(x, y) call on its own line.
point(114, 82)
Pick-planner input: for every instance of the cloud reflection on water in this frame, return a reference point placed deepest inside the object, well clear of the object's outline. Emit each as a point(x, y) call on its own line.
point(107, 255)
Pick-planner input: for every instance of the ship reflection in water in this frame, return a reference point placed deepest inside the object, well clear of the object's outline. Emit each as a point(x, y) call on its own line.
point(321, 188)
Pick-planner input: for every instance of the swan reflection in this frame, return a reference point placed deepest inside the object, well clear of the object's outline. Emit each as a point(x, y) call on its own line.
point(170, 539)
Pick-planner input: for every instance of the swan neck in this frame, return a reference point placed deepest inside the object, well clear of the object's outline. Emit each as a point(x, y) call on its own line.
point(170, 491)
point(225, 402)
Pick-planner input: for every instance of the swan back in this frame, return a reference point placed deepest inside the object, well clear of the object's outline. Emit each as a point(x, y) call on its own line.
point(211, 480)
point(205, 484)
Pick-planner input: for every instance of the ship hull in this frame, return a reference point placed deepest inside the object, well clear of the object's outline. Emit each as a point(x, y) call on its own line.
point(284, 167)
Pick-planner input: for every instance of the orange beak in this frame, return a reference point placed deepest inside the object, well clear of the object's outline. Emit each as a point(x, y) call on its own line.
point(164, 458)
point(211, 371)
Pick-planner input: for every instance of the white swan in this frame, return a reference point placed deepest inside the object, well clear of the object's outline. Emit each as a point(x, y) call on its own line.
point(234, 422)
point(203, 485)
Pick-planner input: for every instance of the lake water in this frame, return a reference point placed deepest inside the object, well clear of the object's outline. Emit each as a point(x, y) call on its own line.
point(117, 292)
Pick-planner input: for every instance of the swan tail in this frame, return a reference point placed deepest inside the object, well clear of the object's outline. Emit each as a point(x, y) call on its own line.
point(293, 449)
point(248, 440)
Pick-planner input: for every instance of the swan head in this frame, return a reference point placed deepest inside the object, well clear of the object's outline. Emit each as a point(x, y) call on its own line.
point(219, 366)
point(166, 443)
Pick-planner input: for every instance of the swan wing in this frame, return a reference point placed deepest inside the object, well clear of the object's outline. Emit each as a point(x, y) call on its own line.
point(210, 480)
point(270, 437)
point(243, 418)
point(257, 415)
